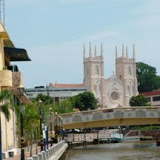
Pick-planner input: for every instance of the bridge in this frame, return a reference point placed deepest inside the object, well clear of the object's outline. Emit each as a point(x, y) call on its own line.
point(112, 117)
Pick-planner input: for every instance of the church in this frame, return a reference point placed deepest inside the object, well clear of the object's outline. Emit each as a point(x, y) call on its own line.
point(117, 90)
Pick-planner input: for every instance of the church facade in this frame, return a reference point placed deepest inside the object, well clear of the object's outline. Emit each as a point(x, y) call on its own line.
point(117, 90)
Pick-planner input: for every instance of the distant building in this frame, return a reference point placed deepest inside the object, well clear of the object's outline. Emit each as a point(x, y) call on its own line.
point(117, 90)
point(153, 97)
point(59, 92)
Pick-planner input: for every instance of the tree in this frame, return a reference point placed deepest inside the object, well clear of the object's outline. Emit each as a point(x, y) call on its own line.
point(65, 106)
point(45, 99)
point(147, 78)
point(6, 100)
point(139, 100)
point(30, 122)
point(84, 101)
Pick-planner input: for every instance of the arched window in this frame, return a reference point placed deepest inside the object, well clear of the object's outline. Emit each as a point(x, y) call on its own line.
point(97, 70)
point(129, 70)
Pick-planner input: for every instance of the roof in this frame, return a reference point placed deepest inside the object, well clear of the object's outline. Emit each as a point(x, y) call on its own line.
point(16, 54)
point(152, 93)
point(58, 85)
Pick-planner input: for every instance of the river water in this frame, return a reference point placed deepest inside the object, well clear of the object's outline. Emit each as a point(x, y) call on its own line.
point(140, 150)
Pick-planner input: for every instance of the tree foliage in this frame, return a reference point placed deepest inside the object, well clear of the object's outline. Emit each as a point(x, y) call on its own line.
point(147, 78)
point(139, 100)
point(84, 101)
point(46, 99)
point(6, 103)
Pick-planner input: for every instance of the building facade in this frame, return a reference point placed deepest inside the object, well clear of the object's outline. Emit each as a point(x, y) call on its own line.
point(117, 90)
point(153, 97)
point(10, 78)
point(58, 92)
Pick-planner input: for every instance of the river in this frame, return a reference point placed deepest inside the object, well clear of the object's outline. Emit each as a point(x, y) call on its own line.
point(140, 150)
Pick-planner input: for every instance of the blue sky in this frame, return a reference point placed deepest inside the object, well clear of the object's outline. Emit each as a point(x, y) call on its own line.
point(53, 32)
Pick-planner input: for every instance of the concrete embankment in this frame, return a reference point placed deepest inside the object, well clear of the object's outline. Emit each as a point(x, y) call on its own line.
point(53, 153)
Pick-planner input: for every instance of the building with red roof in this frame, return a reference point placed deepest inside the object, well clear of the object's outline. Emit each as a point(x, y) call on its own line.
point(153, 97)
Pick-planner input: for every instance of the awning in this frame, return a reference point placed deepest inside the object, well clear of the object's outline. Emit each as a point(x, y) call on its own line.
point(16, 54)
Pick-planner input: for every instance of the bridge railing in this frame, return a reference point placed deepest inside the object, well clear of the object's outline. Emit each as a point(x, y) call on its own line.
point(111, 114)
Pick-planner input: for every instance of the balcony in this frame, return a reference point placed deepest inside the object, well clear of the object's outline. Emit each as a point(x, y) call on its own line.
point(6, 78)
point(17, 79)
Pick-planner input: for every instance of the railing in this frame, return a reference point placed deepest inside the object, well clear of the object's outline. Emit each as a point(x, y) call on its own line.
point(119, 115)
point(51, 152)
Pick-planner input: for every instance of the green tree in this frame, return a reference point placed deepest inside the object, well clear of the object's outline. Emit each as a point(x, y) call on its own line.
point(147, 78)
point(6, 100)
point(45, 99)
point(84, 101)
point(31, 124)
point(65, 106)
point(139, 100)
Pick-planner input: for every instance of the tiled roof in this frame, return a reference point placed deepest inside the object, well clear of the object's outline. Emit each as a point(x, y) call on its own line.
point(153, 93)
point(58, 85)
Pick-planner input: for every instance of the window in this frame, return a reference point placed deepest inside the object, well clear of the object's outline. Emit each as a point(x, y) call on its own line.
point(114, 96)
point(97, 70)
point(156, 98)
point(129, 70)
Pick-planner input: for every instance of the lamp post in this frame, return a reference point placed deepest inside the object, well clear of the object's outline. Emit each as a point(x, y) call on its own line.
point(20, 94)
point(56, 128)
point(40, 119)
point(51, 137)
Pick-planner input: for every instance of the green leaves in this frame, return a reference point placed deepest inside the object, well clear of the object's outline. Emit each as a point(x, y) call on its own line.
point(147, 78)
point(44, 98)
point(139, 100)
point(84, 101)
point(6, 101)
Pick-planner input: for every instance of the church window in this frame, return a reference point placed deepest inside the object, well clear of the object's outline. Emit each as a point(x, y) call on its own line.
point(87, 71)
point(95, 88)
point(133, 90)
point(129, 70)
point(97, 70)
point(129, 90)
point(114, 96)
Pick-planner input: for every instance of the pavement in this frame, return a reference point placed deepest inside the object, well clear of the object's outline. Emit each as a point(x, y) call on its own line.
point(27, 155)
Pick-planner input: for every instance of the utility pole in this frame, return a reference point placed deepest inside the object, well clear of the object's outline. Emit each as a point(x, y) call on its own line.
point(2, 11)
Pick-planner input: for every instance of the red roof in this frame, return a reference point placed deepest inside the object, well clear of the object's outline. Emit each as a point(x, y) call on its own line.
point(58, 85)
point(153, 93)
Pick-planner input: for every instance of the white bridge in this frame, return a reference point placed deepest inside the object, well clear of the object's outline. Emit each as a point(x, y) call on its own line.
point(112, 117)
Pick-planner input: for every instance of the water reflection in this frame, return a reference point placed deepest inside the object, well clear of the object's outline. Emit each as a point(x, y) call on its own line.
point(118, 151)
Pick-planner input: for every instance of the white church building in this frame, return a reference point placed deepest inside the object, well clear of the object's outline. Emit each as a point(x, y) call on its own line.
point(117, 90)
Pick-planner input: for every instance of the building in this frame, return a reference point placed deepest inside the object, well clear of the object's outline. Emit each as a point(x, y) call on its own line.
point(153, 97)
point(117, 90)
point(10, 78)
point(59, 92)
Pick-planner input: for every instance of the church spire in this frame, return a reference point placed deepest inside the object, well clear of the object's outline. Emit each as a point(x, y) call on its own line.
point(123, 50)
point(95, 51)
point(126, 52)
point(90, 50)
point(134, 54)
point(102, 50)
point(116, 54)
point(84, 51)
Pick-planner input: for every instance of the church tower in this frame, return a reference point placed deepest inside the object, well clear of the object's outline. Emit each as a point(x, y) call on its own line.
point(94, 72)
point(126, 72)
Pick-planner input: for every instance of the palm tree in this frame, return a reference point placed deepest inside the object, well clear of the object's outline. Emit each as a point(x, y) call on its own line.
point(6, 100)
